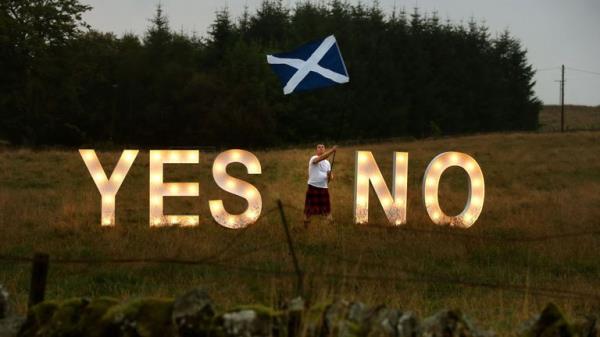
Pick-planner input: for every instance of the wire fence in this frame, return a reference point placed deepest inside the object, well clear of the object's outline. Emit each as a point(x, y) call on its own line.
point(219, 259)
point(461, 233)
point(408, 276)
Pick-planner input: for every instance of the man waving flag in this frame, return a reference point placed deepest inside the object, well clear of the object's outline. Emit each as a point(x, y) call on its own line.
point(314, 65)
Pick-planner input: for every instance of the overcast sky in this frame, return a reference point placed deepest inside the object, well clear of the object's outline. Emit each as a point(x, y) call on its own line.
point(554, 32)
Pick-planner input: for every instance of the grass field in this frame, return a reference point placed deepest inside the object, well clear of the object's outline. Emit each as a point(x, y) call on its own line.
point(577, 117)
point(536, 184)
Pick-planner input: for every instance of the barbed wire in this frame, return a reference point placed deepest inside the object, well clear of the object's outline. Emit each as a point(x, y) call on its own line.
point(447, 278)
point(231, 244)
point(236, 238)
point(487, 237)
point(538, 291)
point(218, 260)
point(410, 275)
point(416, 277)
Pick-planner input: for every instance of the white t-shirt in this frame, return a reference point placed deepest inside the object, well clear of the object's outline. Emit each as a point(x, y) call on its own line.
point(317, 173)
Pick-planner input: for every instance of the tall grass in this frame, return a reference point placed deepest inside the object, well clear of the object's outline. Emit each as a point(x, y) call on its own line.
point(536, 184)
point(577, 117)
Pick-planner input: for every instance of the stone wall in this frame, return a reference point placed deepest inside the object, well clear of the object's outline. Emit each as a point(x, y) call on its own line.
point(194, 314)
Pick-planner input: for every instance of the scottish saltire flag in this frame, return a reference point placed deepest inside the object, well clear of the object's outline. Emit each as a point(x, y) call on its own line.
point(314, 65)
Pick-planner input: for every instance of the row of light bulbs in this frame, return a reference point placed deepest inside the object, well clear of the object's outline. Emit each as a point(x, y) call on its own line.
point(108, 188)
point(367, 172)
point(475, 200)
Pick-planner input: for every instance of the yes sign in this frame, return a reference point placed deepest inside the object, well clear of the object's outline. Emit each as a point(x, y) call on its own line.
point(366, 173)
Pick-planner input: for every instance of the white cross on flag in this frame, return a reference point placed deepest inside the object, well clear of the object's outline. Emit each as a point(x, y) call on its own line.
point(314, 65)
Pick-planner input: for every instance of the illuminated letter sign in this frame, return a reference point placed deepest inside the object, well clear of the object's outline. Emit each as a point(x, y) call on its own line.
point(108, 187)
point(368, 172)
point(159, 189)
point(431, 180)
point(237, 187)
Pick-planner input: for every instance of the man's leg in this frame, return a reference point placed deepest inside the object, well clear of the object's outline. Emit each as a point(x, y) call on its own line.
point(327, 207)
point(308, 207)
point(306, 220)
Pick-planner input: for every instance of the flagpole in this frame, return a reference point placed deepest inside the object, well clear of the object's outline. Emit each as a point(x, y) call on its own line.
point(339, 133)
point(332, 162)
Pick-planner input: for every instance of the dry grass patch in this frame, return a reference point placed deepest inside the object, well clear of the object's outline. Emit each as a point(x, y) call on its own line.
point(536, 184)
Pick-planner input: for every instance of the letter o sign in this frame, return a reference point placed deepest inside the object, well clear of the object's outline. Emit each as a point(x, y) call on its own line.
point(431, 181)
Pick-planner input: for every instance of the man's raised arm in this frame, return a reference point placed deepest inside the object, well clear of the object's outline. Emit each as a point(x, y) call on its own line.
point(325, 155)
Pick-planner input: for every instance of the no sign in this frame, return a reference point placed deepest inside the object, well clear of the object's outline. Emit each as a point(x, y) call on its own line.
point(367, 174)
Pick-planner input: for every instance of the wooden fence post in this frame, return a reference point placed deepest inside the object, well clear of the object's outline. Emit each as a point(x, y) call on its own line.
point(39, 275)
point(299, 274)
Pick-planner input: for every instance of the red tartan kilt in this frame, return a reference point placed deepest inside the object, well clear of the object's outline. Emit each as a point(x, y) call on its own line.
point(317, 201)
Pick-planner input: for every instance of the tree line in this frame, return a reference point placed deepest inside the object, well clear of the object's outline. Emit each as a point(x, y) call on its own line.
point(411, 74)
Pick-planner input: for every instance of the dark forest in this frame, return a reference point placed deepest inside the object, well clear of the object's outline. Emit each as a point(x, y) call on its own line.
point(412, 74)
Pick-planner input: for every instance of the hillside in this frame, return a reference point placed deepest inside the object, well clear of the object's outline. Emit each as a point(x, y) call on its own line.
point(537, 185)
point(577, 117)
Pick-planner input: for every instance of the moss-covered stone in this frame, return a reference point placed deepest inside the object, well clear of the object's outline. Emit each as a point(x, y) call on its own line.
point(38, 319)
point(261, 310)
point(451, 323)
point(70, 318)
point(4, 306)
point(254, 321)
point(91, 316)
point(146, 317)
point(342, 319)
point(65, 320)
point(587, 327)
point(408, 325)
point(314, 313)
point(294, 311)
point(313, 319)
point(380, 322)
point(550, 323)
point(194, 315)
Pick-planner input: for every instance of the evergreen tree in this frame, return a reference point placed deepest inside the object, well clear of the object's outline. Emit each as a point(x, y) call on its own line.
point(411, 75)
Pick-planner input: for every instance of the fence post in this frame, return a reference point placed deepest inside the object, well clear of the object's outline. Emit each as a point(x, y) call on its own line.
point(299, 275)
point(39, 275)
